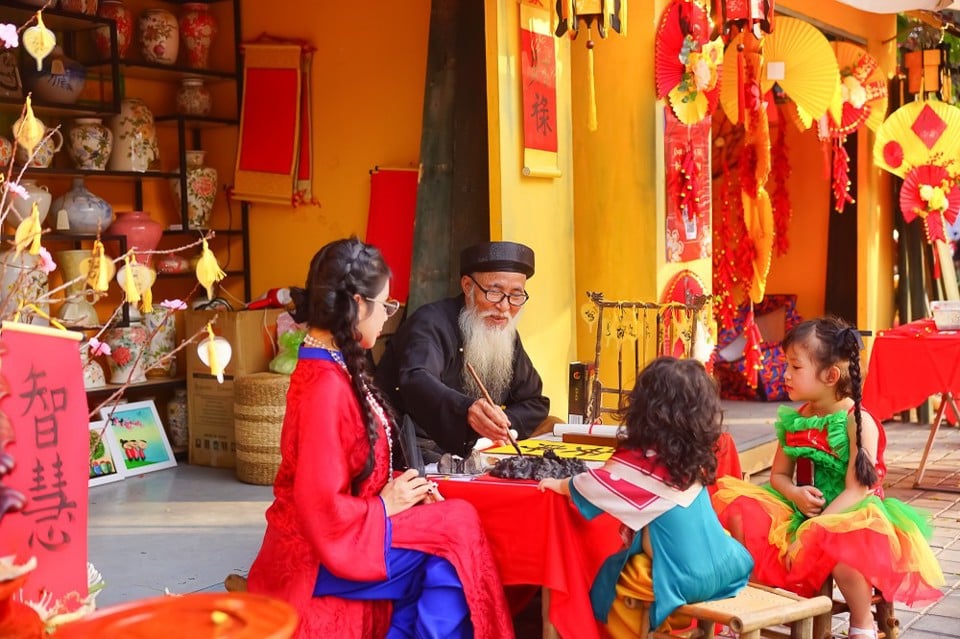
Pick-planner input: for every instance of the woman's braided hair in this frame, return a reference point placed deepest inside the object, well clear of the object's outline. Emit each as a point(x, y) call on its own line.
point(832, 342)
point(338, 271)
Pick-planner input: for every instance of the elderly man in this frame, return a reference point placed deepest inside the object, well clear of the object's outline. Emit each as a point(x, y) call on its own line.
point(424, 372)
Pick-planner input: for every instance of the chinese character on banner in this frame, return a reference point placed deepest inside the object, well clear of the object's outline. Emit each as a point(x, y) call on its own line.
point(687, 166)
point(538, 76)
point(47, 407)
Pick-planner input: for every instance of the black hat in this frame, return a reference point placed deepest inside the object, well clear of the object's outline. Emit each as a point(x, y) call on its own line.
point(490, 257)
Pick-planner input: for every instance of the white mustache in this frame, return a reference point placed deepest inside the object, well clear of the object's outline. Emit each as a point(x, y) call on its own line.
point(496, 314)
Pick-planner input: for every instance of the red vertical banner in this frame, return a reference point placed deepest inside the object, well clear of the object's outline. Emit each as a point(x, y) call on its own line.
point(538, 77)
point(393, 205)
point(688, 195)
point(47, 406)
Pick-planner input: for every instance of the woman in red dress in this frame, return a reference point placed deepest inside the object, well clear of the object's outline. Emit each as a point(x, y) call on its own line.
point(358, 552)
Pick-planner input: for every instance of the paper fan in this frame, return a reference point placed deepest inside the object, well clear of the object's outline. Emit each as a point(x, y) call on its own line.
point(758, 217)
point(862, 90)
point(683, 288)
point(730, 80)
point(686, 61)
point(918, 133)
point(799, 58)
point(927, 193)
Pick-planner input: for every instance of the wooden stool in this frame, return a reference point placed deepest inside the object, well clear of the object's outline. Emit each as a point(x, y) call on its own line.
point(752, 613)
point(888, 626)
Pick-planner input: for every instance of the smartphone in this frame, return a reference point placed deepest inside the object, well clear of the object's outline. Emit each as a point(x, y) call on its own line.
point(804, 472)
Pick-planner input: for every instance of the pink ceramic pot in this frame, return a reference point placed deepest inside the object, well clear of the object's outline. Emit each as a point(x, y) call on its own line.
point(142, 233)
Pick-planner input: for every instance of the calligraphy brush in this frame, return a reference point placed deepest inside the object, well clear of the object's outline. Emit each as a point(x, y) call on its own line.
point(486, 396)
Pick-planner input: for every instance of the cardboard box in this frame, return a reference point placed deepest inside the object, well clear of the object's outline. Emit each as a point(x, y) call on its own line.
point(252, 336)
point(580, 402)
point(210, 421)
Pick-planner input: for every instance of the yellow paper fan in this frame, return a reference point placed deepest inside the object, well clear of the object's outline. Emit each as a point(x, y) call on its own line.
point(730, 81)
point(809, 68)
point(918, 133)
point(855, 61)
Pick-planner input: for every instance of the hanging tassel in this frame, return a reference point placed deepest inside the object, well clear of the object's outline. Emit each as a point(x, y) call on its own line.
point(591, 88)
point(130, 282)
point(100, 266)
point(215, 367)
point(753, 358)
point(148, 300)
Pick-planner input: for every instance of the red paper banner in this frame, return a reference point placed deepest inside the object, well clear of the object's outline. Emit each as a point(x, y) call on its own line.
point(47, 406)
point(538, 79)
point(393, 204)
point(687, 163)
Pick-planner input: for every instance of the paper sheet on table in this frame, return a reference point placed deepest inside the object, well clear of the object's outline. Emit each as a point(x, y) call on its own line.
point(600, 430)
point(586, 452)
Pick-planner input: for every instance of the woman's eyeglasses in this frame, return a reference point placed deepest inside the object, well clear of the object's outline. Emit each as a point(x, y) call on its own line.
point(390, 306)
point(495, 297)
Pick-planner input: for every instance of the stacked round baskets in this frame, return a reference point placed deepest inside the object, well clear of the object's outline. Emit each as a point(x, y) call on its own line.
point(259, 402)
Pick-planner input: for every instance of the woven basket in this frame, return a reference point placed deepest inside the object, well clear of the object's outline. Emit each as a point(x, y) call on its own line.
point(259, 402)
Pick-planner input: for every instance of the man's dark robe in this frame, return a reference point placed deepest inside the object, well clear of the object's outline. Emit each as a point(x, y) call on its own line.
point(421, 371)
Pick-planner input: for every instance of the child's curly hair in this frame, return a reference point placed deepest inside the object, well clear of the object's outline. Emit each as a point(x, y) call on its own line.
point(674, 409)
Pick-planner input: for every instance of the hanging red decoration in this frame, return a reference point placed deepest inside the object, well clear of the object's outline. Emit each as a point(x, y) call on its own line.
point(724, 254)
point(687, 61)
point(753, 357)
point(747, 15)
point(780, 196)
point(930, 192)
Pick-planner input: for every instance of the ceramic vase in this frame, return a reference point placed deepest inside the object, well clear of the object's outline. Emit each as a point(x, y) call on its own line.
point(177, 419)
point(172, 263)
point(42, 155)
point(61, 79)
point(142, 233)
point(6, 152)
point(76, 311)
point(89, 144)
point(162, 339)
point(198, 28)
point(23, 207)
point(22, 281)
point(93, 376)
point(134, 138)
point(80, 212)
point(114, 10)
point(159, 36)
point(201, 190)
point(126, 354)
point(193, 98)
point(88, 7)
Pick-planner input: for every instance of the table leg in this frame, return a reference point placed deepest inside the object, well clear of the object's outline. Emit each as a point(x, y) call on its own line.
point(549, 631)
point(948, 399)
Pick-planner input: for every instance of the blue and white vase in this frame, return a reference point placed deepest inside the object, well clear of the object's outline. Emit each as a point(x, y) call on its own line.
point(61, 80)
point(80, 212)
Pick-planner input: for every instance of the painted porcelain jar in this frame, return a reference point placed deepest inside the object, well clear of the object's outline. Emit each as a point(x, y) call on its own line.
point(42, 156)
point(6, 152)
point(77, 311)
point(93, 376)
point(60, 80)
point(114, 10)
point(161, 340)
point(80, 212)
point(159, 36)
point(126, 354)
point(134, 138)
point(89, 144)
point(23, 207)
point(193, 98)
point(177, 419)
point(142, 233)
point(198, 28)
point(23, 281)
point(201, 190)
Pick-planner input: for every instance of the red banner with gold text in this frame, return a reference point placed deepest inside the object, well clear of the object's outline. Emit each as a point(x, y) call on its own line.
point(47, 407)
point(538, 78)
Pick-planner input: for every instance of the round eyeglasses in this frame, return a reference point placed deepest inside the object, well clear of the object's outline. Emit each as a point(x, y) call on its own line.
point(390, 306)
point(495, 297)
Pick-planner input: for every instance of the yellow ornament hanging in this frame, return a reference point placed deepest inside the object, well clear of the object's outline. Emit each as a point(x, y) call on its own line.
point(28, 130)
point(28, 233)
point(208, 270)
point(39, 41)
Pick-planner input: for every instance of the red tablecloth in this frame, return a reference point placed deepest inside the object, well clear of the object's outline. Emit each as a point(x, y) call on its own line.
point(907, 365)
point(541, 538)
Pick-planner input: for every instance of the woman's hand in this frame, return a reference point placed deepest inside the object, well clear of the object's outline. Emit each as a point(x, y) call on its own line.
point(809, 500)
point(404, 491)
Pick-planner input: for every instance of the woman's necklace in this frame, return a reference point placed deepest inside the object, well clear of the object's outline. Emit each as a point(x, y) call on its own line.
point(313, 342)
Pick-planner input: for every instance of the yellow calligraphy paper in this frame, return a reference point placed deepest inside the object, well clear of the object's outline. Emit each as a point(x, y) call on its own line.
point(538, 447)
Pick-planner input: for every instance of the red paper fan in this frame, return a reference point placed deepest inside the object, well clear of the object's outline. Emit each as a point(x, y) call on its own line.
point(912, 203)
point(863, 90)
point(682, 288)
point(684, 30)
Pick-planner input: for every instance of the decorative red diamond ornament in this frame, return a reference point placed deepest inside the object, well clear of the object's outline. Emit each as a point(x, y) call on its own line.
point(928, 126)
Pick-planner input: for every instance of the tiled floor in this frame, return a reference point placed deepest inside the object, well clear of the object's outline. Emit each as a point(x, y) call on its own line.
point(185, 529)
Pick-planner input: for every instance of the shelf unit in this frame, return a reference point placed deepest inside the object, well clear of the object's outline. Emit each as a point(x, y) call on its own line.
point(108, 82)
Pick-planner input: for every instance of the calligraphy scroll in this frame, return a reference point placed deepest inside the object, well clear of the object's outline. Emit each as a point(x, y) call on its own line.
point(538, 76)
point(538, 447)
point(47, 406)
point(688, 196)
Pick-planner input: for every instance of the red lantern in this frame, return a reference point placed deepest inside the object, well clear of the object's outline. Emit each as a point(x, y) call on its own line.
point(747, 15)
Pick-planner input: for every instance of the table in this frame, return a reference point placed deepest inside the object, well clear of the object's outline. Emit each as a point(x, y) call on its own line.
point(541, 539)
point(908, 364)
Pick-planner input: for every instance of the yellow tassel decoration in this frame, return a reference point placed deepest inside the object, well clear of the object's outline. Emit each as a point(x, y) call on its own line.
point(28, 233)
point(100, 274)
point(591, 89)
point(147, 300)
point(208, 270)
point(130, 282)
point(28, 130)
point(215, 366)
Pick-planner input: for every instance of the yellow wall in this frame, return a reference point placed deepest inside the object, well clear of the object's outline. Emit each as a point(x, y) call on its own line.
point(535, 211)
point(368, 80)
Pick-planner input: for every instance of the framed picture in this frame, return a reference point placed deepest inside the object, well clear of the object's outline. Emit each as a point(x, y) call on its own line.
point(139, 432)
point(105, 455)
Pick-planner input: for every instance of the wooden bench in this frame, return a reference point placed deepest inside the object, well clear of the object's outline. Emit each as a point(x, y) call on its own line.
point(756, 611)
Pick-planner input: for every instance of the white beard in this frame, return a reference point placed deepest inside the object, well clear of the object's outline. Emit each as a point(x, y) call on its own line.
point(489, 350)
